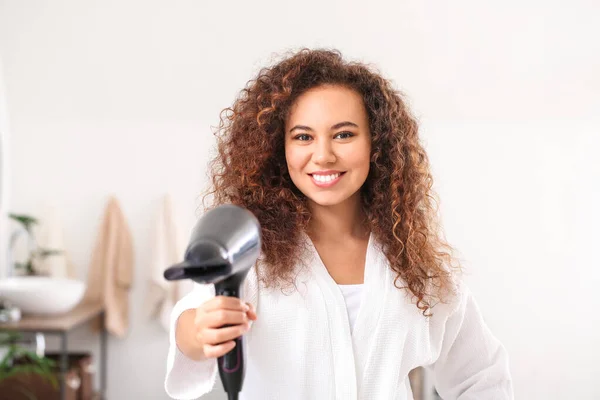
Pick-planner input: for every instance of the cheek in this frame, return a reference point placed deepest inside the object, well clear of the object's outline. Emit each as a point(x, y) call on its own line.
point(360, 157)
point(367, 154)
point(361, 165)
point(366, 157)
point(294, 158)
point(288, 157)
point(295, 165)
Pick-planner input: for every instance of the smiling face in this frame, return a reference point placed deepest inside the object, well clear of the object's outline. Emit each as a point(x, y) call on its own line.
point(328, 144)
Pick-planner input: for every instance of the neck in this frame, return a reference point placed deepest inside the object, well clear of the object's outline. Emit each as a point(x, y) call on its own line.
point(338, 223)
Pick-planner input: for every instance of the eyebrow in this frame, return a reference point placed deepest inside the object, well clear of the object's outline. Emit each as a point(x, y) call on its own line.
point(336, 126)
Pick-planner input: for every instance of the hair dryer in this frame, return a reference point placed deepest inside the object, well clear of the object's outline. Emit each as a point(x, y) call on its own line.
point(224, 245)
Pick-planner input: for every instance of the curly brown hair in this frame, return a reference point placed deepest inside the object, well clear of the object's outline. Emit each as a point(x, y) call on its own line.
point(250, 170)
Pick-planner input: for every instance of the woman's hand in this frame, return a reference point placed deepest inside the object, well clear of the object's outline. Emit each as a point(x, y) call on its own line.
point(210, 330)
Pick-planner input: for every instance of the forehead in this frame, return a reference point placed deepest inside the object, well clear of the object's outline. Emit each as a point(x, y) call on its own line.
point(327, 104)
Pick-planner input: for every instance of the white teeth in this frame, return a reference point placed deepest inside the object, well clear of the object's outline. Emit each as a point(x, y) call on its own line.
point(325, 178)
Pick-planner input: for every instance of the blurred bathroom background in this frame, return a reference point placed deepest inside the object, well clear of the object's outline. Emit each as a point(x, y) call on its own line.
point(105, 100)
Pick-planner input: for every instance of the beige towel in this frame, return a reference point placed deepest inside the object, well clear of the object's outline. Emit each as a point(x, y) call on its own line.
point(167, 249)
point(111, 270)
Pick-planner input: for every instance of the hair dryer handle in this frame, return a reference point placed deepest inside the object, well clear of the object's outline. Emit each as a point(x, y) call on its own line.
point(231, 365)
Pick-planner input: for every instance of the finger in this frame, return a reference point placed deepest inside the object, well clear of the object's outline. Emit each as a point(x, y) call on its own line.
point(222, 335)
point(224, 302)
point(252, 316)
point(251, 312)
point(219, 350)
point(219, 318)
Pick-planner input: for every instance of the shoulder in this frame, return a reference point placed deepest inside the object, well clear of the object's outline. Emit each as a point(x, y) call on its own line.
point(452, 301)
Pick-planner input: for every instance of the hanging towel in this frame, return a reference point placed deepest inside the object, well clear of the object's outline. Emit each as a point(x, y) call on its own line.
point(167, 249)
point(50, 236)
point(111, 270)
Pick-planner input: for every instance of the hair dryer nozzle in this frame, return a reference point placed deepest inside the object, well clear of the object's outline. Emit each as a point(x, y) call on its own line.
point(202, 273)
point(224, 242)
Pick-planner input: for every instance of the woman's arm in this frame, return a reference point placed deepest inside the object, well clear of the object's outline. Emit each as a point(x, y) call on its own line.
point(187, 378)
point(473, 364)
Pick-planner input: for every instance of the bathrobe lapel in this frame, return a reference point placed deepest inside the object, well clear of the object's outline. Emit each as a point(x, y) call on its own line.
point(350, 350)
point(371, 332)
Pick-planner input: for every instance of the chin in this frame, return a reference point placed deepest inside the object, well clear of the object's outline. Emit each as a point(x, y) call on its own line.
point(327, 201)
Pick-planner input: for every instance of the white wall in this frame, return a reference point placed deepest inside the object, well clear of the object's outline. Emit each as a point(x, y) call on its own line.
point(520, 202)
point(4, 176)
point(118, 97)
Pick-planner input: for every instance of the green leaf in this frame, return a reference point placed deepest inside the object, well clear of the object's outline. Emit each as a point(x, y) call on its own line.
point(26, 220)
point(19, 265)
point(47, 252)
point(20, 360)
point(7, 338)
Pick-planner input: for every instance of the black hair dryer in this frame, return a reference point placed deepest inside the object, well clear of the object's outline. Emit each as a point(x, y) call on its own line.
point(224, 245)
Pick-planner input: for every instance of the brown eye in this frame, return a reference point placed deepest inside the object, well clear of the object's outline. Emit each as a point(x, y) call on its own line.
point(302, 137)
point(344, 135)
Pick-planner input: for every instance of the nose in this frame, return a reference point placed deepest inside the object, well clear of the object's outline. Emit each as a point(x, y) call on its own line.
point(323, 153)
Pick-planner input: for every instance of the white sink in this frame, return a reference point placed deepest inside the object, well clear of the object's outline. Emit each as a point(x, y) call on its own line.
point(42, 295)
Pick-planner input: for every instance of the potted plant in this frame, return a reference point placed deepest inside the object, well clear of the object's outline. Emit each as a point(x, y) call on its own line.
point(19, 365)
point(36, 253)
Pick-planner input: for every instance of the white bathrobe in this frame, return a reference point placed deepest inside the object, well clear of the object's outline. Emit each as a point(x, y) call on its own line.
point(301, 347)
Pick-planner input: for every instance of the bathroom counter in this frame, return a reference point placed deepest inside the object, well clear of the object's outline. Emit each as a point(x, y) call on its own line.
point(81, 314)
point(61, 325)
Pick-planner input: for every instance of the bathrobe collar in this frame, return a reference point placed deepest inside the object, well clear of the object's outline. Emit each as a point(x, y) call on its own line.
point(351, 349)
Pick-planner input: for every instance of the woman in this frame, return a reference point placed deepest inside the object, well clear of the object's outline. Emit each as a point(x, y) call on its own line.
point(355, 286)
